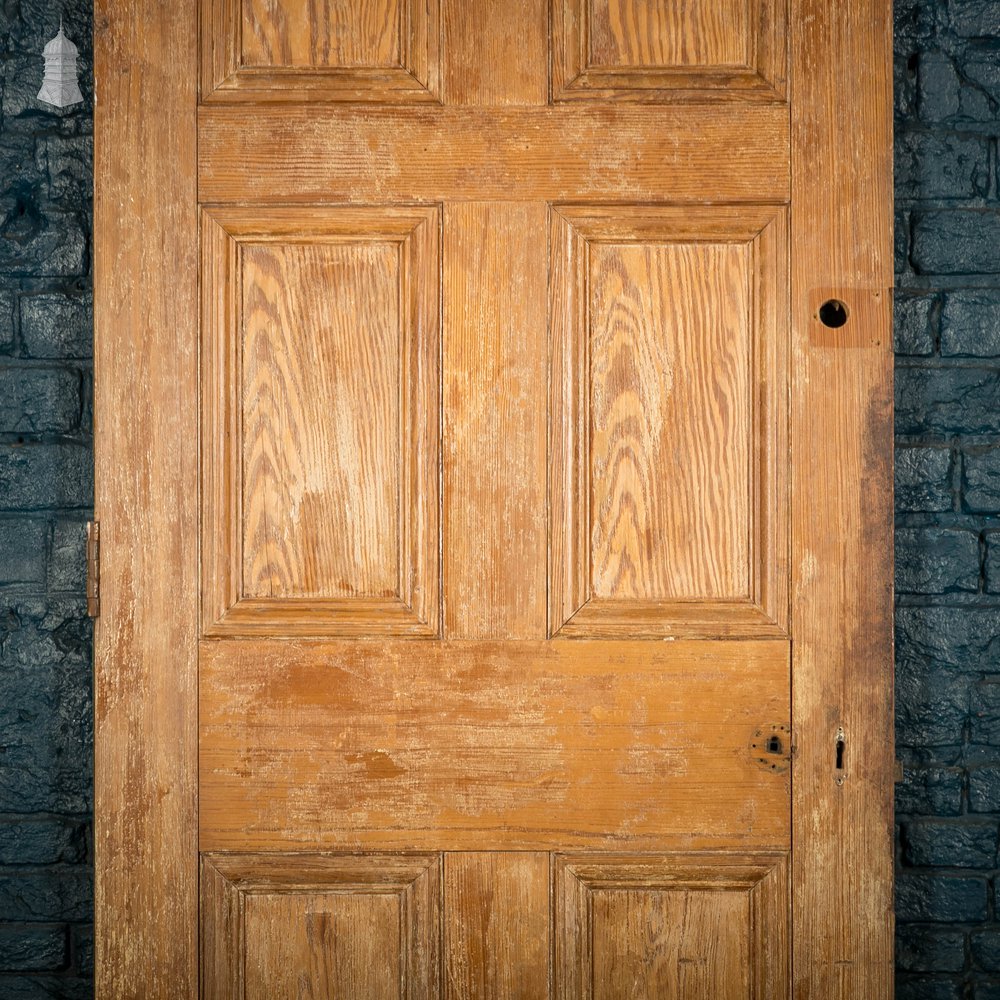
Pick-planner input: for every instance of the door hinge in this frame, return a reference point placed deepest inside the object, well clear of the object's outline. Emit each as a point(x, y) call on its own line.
point(94, 569)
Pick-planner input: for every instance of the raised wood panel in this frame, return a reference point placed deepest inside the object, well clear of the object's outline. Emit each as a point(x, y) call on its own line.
point(616, 153)
point(669, 433)
point(701, 927)
point(667, 50)
point(320, 445)
point(309, 927)
point(494, 463)
point(320, 50)
point(497, 925)
point(490, 745)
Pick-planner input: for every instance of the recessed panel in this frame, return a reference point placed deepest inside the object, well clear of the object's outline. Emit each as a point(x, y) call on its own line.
point(666, 50)
point(320, 50)
point(670, 420)
point(321, 421)
point(320, 415)
point(301, 926)
point(668, 457)
point(320, 33)
point(701, 928)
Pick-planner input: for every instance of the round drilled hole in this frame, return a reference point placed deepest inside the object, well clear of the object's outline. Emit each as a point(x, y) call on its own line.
point(833, 313)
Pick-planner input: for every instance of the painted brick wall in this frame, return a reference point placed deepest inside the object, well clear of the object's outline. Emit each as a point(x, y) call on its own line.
point(948, 498)
point(46, 491)
point(948, 503)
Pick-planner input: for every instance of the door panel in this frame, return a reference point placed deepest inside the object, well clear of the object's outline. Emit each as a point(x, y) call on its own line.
point(514, 600)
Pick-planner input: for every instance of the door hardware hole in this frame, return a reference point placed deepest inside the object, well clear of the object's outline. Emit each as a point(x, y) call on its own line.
point(840, 755)
point(774, 745)
point(833, 313)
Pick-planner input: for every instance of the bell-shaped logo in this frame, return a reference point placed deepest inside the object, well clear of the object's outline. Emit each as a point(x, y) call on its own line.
point(59, 86)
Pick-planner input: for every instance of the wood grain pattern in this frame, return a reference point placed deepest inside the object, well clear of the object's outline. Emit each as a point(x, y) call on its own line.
point(497, 930)
point(690, 33)
point(489, 746)
point(669, 50)
point(309, 927)
point(701, 927)
point(842, 502)
point(320, 415)
point(320, 33)
point(668, 448)
point(496, 54)
point(320, 429)
point(306, 50)
point(494, 513)
point(670, 420)
point(145, 420)
point(562, 153)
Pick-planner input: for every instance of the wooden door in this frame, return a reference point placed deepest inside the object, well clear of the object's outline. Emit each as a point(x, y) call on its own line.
point(494, 507)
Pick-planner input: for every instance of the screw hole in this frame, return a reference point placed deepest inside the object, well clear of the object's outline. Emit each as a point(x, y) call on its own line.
point(774, 745)
point(833, 313)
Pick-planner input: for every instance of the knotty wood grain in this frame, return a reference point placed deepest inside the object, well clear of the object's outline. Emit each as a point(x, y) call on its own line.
point(842, 501)
point(497, 928)
point(489, 745)
point(320, 418)
point(146, 467)
point(494, 452)
point(320, 33)
point(561, 153)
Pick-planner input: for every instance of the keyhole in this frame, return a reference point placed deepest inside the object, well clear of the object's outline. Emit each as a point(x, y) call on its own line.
point(840, 754)
point(774, 744)
point(833, 313)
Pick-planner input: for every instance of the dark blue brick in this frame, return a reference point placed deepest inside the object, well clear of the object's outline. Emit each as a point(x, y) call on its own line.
point(929, 791)
point(22, 552)
point(941, 898)
point(57, 326)
point(47, 894)
point(29, 841)
point(32, 949)
point(931, 709)
point(992, 565)
point(35, 476)
point(38, 399)
point(984, 788)
point(83, 949)
point(951, 844)
point(974, 18)
point(936, 560)
point(68, 560)
point(981, 480)
point(935, 165)
point(986, 949)
point(986, 990)
point(945, 401)
point(985, 713)
point(938, 87)
point(970, 323)
point(936, 640)
point(65, 163)
point(6, 321)
point(929, 949)
point(914, 321)
point(956, 242)
point(923, 479)
point(39, 241)
point(928, 988)
point(49, 987)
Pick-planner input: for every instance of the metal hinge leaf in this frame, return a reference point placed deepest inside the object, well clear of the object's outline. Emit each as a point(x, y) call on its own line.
point(94, 569)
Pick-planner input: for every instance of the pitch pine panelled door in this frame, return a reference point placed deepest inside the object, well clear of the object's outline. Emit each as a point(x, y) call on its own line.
point(494, 507)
